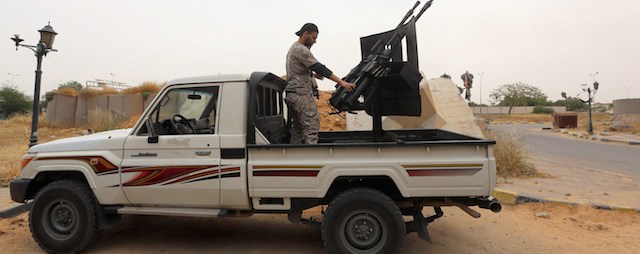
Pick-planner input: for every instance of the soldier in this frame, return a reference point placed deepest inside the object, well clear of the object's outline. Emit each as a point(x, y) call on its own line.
point(302, 66)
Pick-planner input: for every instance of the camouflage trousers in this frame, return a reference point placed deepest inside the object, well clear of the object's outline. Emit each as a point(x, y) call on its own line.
point(304, 115)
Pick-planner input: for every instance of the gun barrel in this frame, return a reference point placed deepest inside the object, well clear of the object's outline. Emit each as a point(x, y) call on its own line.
point(409, 13)
point(424, 8)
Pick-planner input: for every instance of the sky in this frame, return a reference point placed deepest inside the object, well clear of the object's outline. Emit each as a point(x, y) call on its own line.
point(553, 45)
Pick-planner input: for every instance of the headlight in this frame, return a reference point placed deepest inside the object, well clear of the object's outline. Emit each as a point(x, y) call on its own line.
point(26, 159)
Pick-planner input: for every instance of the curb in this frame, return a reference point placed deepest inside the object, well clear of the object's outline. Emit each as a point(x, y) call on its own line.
point(605, 140)
point(15, 210)
point(512, 198)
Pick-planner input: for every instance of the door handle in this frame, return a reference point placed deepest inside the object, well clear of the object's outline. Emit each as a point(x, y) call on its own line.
point(145, 155)
point(203, 153)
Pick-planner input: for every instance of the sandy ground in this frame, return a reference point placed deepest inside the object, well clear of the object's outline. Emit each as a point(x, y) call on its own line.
point(517, 229)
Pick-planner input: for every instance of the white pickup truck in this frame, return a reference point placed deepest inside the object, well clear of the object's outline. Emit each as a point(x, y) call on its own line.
point(217, 146)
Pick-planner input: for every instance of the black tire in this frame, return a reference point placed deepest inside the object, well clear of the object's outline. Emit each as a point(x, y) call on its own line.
point(64, 217)
point(363, 220)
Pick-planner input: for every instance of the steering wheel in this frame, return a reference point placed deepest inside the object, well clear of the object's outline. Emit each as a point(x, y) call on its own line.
point(178, 121)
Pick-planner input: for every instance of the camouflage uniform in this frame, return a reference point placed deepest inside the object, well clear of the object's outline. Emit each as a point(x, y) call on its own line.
point(299, 98)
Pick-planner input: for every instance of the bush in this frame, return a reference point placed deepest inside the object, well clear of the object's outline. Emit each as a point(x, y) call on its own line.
point(542, 110)
point(103, 120)
point(511, 156)
point(14, 102)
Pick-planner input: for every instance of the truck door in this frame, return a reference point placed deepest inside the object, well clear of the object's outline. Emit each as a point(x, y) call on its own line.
point(178, 164)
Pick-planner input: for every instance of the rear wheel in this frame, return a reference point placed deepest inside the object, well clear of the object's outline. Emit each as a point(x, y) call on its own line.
point(64, 216)
point(363, 220)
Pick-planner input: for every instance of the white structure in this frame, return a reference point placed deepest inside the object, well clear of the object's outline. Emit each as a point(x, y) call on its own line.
point(442, 108)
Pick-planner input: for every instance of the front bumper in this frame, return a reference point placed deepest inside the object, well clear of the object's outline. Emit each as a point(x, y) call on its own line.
point(18, 189)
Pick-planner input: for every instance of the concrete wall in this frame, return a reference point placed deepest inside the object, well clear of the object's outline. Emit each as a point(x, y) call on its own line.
point(70, 111)
point(515, 110)
point(626, 106)
point(59, 110)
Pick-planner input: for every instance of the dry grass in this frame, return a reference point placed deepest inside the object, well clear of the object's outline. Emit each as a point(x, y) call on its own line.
point(147, 86)
point(102, 120)
point(67, 91)
point(511, 156)
point(15, 142)
point(130, 122)
point(601, 121)
point(517, 118)
point(510, 153)
point(96, 92)
point(626, 123)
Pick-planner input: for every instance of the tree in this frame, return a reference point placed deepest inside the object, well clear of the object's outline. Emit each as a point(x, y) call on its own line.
point(14, 101)
point(572, 104)
point(518, 94)
point(71, 84)
point(48, 96)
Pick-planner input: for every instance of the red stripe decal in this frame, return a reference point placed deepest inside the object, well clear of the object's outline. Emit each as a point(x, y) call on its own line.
point(98, 163)
point(155, 175)
point(443, 172)
point(206, 173)
point(296, 173)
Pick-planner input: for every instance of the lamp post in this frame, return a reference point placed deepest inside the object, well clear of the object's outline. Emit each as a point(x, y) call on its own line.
point(587, 89)
point(480, 87)
point(13, 77)
point(47, 34)
point(627, 88)
point(593, 76)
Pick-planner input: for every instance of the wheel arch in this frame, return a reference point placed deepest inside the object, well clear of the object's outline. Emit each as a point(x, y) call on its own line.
point(42, 178)
point(382, 183)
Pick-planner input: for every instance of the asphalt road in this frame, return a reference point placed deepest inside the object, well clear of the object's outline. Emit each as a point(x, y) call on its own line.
point(545, 144)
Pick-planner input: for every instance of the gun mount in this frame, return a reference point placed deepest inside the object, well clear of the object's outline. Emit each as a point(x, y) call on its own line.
point(386, 83)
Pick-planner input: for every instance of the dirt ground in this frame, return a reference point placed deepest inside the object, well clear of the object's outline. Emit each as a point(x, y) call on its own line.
point(517, 229)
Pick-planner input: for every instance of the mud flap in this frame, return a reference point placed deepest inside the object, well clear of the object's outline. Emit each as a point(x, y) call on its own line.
point(420, 223)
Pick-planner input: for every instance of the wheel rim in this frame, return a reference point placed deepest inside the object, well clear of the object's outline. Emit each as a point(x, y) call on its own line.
point(60, 220)
point(363, 232)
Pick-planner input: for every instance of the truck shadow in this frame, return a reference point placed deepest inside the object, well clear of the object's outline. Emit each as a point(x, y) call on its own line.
point(264, 233)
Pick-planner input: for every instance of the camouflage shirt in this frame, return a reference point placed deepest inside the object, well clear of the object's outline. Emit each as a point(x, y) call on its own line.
point(300, 79)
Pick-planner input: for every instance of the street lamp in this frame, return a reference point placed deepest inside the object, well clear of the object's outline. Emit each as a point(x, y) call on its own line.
point(587, 89)
point(480, 87)
point(593, 76)
point(593, 80)
point(13, 77)
point(566, 101)
point(627, 88)
point(47, 35)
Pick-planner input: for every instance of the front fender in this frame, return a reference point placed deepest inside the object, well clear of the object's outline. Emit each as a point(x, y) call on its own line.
point(86, 171)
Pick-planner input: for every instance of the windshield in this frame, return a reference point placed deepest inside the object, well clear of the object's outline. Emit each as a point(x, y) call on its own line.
point(190, 110)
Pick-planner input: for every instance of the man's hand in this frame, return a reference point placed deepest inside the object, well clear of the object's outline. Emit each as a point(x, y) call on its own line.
point(349, 86)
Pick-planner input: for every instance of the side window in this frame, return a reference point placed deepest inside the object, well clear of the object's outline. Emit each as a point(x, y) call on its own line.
point(268, 102)
point(185, 110)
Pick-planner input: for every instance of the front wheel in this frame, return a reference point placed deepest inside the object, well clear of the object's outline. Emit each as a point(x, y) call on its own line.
point(363, 220)
point(64, 217)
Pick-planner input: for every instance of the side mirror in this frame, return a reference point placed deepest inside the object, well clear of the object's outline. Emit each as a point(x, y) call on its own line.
point(153, 134)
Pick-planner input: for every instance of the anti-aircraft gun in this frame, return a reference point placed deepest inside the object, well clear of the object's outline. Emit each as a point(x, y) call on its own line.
point(386, 84)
